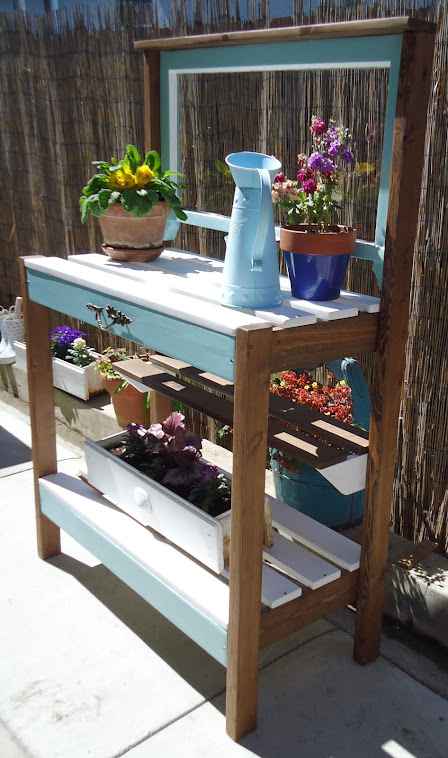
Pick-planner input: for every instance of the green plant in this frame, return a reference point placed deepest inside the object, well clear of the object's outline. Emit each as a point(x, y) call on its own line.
point(135, 183)
point(315, 196)
point(103, 364)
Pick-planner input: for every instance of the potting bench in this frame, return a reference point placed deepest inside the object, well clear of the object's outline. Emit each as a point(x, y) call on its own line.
point(238, 350)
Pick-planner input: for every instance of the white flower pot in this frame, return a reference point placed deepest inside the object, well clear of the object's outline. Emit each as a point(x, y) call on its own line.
point(77, 381)
point(204, 537)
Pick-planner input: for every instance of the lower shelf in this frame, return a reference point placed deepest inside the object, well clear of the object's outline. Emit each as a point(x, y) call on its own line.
point(313, 578)
point(192, 598)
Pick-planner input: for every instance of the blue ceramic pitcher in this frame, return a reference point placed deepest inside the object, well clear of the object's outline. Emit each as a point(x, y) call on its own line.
point(251, 276)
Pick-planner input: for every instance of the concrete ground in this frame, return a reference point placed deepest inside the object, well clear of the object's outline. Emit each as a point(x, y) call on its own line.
point(89, 670)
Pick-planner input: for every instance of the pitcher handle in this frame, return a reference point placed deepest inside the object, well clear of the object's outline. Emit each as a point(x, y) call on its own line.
point(264, 217)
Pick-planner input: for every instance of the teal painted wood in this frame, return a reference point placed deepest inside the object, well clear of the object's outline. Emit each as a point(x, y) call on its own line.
point(175, 608)
point(381, 51)
point(386, 159)
point(204, 348)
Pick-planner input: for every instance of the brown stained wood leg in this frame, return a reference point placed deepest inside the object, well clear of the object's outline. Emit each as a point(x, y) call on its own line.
point(160, 407)
point(246, 543)
point(407, 165)
point(151, 94)
point(43, 426)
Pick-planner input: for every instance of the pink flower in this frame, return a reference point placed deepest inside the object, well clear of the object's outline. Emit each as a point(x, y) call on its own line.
point(302, 159)
point(304, 173)
point(280, 177)
point(309, 187)
point(317, 126)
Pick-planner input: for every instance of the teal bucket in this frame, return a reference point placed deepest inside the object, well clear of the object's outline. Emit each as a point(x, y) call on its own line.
point(309, 492)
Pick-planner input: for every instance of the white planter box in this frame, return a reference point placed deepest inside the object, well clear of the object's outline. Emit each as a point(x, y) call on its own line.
point(80, 382)
point(205, 538)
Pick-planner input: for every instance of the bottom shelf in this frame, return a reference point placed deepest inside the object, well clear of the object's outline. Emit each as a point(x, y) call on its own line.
point(300, 582)
point(192, 598)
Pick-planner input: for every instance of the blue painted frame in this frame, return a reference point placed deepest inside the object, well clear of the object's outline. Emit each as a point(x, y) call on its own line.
point(375, 52)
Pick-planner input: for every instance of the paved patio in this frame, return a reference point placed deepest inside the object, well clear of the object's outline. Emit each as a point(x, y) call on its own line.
point(89, 670)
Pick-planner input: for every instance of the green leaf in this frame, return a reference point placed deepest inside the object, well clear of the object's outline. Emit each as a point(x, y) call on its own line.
point(133, 157)
point(95, 184)
point(104, 198)
point(101, 164)
point(222, 167)
point(180, 214)
point(142, 206)
point(114, 197)
point(95, 207)
point(152, 159)
point(172, 173)
point(129, 200)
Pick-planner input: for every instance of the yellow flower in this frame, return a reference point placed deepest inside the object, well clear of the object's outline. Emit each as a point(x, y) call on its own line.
point(342, 382)
point(121, 180)
point(143, 176)
point(307, 386)
point(314, 384)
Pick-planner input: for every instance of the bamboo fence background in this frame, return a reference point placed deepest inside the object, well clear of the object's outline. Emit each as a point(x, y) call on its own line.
point(71, 91)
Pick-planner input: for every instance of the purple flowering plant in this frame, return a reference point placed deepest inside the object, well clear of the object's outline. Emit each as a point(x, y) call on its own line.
point(69, 345)
point(170, 455)
point(314, 197)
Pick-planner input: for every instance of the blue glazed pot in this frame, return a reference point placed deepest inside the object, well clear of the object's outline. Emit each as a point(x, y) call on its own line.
point(313, 495)
point(317, 262)
point(316, 277)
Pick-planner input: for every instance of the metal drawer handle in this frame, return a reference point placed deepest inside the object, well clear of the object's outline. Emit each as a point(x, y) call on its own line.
point(117, 316)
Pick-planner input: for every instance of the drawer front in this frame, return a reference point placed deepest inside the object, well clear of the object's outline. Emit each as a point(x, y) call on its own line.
point(207, 349)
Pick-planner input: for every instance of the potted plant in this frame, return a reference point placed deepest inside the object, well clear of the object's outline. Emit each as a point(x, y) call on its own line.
point(128, 402)
point(316, 248)
point(159, 477)
point(301, 486)
point(73, 362)
point(132, 199)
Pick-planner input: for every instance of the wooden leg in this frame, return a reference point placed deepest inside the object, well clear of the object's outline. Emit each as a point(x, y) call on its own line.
point(404, 196)
point(160, 407)
point(249, 464)
point(43, 427)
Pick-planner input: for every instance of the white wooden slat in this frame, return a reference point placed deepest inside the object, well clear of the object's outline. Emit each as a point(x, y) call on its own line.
point(349, 476)
point(276, 589)
point(364, 303)
point(323, 540)
point(299, 563)
point(205, 590)
point(328, 310)
point(188, 276)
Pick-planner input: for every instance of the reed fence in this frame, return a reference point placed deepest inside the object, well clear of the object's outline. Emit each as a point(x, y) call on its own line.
point(71, 91)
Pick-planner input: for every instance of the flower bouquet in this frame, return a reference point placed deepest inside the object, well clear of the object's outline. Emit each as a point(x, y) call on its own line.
point(316, 248)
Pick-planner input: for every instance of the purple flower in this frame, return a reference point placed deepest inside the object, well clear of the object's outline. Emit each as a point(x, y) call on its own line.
point(309, 187)
point(316, 161)
point(134, 429)
point(334, 148)
point(347, 156)
point(328, 166)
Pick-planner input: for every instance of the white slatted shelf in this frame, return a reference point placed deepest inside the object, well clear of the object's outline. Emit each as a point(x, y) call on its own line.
point(200, 277)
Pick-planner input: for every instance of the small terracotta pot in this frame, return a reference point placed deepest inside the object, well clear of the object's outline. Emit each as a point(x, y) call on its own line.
point(317, 262)
point(122, 229)
point(128, 403)
point(341, 240)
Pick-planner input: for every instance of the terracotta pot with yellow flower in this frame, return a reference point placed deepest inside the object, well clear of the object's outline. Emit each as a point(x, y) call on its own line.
point(133, 200)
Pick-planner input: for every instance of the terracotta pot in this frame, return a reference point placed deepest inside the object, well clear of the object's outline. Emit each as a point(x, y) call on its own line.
point(128, 403)
point(317, 262)
point(340, 241)
point(124, 230)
